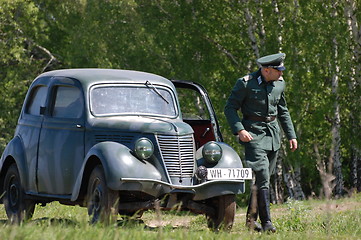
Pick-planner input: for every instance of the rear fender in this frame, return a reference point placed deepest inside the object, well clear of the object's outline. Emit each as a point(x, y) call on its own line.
point(14, 152)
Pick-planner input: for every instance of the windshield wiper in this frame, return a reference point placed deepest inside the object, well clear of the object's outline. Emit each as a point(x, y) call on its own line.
point(147, 83)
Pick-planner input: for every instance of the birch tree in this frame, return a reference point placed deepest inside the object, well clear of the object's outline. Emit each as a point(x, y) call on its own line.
point(354, 87)
point(336, 136)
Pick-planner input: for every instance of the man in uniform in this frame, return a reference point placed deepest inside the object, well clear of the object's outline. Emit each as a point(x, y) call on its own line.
point(260, 97)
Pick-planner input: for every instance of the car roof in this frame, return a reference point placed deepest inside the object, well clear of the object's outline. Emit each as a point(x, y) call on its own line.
point(90, 76)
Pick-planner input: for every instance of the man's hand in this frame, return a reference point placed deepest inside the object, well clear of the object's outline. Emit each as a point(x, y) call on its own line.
point(293, 144)
point(245, 136)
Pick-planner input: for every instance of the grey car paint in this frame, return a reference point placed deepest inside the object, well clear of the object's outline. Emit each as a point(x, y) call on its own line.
point(55, 155)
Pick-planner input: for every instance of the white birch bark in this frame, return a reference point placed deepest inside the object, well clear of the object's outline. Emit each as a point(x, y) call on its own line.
point(291, 177)
point(336, 136)
point(260, 20)
point(251, 30)
point(355, 81)
point(281, 20)
point(355, 34)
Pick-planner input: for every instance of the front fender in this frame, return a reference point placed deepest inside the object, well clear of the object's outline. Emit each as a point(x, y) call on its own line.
point(230, 158)
point(118, 162)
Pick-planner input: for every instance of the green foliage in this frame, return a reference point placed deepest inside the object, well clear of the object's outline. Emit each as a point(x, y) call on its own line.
point(21, 58)
point(294, 220)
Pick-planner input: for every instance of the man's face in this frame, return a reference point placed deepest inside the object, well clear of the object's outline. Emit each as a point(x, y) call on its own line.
point(273, 74)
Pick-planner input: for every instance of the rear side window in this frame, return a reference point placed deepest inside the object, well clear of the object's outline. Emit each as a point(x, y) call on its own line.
point(68, 102)
point(37, 100)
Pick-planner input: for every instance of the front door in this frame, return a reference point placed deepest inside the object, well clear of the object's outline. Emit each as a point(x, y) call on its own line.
point(61, 144)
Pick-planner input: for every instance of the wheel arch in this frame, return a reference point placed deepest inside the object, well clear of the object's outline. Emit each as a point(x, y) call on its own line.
point(7, 163)
point(117, 161)
point(230, 157)
point(91, 163)
point(14, 153)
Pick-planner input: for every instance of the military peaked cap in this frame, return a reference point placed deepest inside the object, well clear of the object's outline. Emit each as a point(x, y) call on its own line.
point(273, 61)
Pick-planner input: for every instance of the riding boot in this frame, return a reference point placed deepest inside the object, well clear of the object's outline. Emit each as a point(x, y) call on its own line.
point(264, 210)
point(252, 213)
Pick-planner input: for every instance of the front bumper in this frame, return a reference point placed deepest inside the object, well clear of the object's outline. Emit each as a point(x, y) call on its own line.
point(201, 191)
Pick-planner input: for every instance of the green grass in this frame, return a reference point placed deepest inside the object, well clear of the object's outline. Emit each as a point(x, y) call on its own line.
point(312, 219)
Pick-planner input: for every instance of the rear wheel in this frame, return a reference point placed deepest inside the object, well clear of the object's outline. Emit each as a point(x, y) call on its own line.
point(225, 210)
point(102, 201)
point(17, 207)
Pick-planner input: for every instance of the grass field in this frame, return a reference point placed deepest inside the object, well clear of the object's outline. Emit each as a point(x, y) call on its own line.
point(312, 219)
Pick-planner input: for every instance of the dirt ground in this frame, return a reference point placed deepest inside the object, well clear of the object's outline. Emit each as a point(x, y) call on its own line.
point(276, 211)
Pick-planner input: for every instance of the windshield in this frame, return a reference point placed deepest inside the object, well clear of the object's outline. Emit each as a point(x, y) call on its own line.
point(140, 100)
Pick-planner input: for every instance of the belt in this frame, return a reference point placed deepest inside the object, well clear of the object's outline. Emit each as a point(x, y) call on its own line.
point(260, 119)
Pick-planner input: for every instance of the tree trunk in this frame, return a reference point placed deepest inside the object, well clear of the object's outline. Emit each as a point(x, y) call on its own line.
point(281, 20)
point(279, 189)
point(355, 169)
point(326, 177)
point(291, 178)
point(355, 34)
point(358, 160)
point(252, 26)
point(336, 136)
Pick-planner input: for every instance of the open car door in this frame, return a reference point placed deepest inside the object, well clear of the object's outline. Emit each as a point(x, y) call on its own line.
point(197, 111)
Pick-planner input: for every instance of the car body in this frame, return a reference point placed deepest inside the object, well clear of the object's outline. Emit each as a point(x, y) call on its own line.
point(118, 141)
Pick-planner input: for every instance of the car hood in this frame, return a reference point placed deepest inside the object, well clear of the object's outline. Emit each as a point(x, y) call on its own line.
point(141, 124)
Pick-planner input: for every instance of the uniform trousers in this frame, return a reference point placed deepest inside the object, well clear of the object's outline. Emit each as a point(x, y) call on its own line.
point(263, 163)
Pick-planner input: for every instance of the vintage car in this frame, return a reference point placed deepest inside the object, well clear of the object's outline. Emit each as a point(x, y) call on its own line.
point(119, 142)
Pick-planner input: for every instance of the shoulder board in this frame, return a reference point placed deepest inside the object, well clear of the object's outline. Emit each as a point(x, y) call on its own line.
point(247, 78)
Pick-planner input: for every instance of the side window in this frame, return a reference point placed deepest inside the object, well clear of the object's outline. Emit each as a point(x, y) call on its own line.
point(37, 100)
point(192, 105)
point(68, 102)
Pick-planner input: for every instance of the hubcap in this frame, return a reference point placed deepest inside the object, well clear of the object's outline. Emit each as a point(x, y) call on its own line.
point(13, 195)
point(96, 199)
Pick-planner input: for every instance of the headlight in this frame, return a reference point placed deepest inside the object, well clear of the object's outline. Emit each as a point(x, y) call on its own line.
point(144, 148)
point(212, 152)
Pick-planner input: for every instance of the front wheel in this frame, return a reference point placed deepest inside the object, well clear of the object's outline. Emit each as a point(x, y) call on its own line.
point(17, 207)
point(225, 210)
point(102, 202)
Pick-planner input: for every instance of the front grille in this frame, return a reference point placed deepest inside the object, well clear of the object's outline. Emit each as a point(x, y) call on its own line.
point(178, 153)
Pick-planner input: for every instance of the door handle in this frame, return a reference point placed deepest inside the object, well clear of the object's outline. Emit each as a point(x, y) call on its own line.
point(205, 132)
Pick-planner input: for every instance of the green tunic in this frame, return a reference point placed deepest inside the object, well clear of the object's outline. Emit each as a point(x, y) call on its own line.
point(255, 97)
point(263, 99)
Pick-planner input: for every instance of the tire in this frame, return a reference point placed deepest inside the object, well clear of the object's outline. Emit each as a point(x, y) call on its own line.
point(102, 202)
point(17, 207)
point(225, 210)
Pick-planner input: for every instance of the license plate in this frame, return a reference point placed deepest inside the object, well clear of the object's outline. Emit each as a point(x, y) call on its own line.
point(229, 173)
